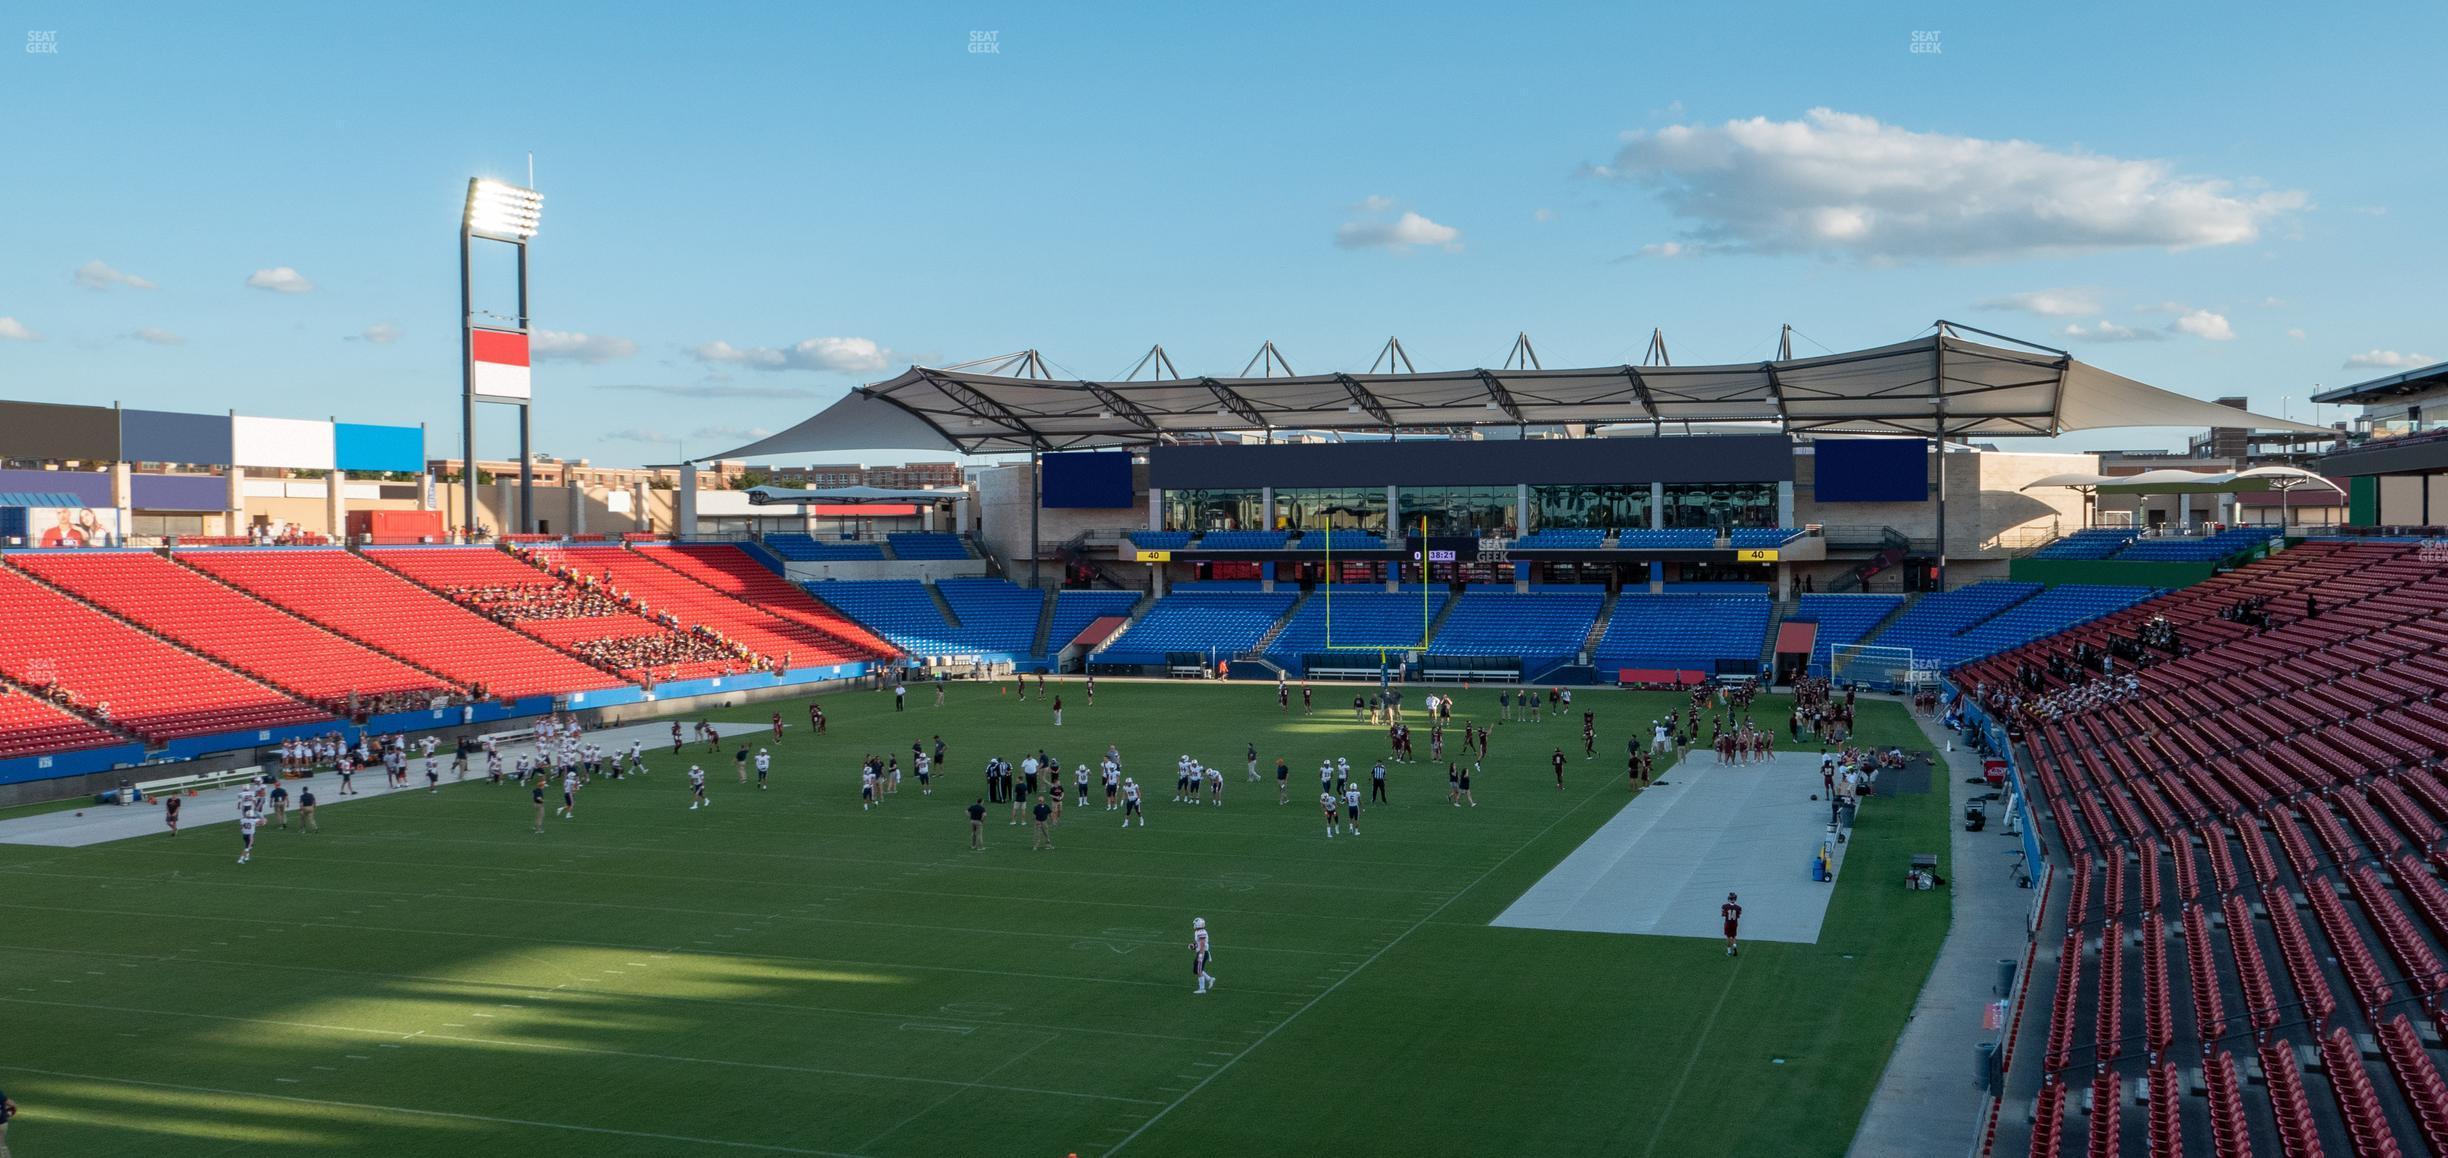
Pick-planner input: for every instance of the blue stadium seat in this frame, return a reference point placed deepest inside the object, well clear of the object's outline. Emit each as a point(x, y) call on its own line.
point(1842, 619)
point(1542, 627)
point(1225, 623)
point(1161, 540)
point(1242, 540)
point(1561, 539)
point(2195, 549)
point(996, 615)
point(1758, 537)
point(1075, 610)
point(2089, 543)
point(799, 548)
point(928, 545)
point(1362, 617)
point(1341, 540)
point(1695, 632)
point(900, 610)
point(2047, 613)
point(1667, 539)
point(1929, 628)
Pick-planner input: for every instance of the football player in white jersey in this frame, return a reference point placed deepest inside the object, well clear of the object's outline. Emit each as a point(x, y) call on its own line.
point(1130, 804)
point(1215, 785)
point(867, 786)
point(1351, 808)
point(764, 764)
point(1327, 802)
point(697, 794)
point(246, 834)
point(569, 795)
point(1113, 784)
point(1201, 954)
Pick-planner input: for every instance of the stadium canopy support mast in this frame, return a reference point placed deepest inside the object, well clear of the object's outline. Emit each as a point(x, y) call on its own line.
point(505, 213)
point(1940, 401)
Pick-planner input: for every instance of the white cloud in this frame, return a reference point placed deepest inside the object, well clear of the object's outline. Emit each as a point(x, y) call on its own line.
point(95, 275)
point(280, 279)
point(2110, 332)
point(2273, 303)
point(711, 389)
point(2049, 303)
point(1404, 233)
point(2386, 360)
point(836, 355)
point(571, 346)
point(1664, 249)
point(380, 333)
point(1542, 215)
point(158, 337)
point(1840, 183)
point(2203, 324)
point(2298, 335)
point(636, 434)
point(1375, 203)
point(731, 433)
point(12, 330)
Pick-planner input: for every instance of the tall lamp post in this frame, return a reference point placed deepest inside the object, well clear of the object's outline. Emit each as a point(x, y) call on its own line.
point(493, 356)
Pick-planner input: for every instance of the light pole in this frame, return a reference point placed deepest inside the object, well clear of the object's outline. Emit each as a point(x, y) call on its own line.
point(493, 358)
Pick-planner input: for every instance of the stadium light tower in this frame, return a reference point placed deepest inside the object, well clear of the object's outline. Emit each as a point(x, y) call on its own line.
point(493, 355)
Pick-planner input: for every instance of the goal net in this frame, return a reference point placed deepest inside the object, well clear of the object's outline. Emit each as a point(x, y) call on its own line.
point(1886, 668)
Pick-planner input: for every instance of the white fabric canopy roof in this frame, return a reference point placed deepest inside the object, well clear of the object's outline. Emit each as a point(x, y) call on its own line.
point(1941, 384)
point(771, 496)
point(2173, 481)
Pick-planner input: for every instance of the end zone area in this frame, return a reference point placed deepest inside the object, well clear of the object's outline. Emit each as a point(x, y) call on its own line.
point(1664, 863)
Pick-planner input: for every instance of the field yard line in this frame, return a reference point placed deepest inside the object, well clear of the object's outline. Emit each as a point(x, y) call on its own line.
point(931, 1107)
point(1356, 970)
point(473, 983)
point(1684, 1078)
point(317, 924)
point(451, 1115)
point(821, 920)
point(549, 1047)
point(871, 863)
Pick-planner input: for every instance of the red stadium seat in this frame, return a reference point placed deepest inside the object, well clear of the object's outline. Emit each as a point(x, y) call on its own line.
point(150, 687)
point(366, 603)
point(236, 629)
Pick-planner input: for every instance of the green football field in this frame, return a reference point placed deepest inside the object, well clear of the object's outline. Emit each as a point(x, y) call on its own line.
point(782, 973)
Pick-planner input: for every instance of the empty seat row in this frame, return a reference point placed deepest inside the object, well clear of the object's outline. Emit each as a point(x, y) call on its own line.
point(364, 602)
point(125, 676)
point(236, 629)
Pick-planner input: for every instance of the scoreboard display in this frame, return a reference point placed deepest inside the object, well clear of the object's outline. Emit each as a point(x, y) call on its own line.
point(1442, 548)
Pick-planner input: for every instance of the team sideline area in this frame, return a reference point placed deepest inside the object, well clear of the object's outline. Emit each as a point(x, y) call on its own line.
point(428, 973)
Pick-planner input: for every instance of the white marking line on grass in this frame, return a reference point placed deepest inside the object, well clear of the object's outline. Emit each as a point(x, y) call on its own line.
point(931, 1107)
point(616, 945)
point(1371, 959)
point(445, 1114)
point(1706, 1027)
point(469, 983)
point(597, 1051)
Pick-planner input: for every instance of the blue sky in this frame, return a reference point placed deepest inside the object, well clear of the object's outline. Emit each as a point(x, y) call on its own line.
point(751, 207)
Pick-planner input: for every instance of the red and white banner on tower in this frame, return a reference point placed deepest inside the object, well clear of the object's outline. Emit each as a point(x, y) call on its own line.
point(501, 364)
